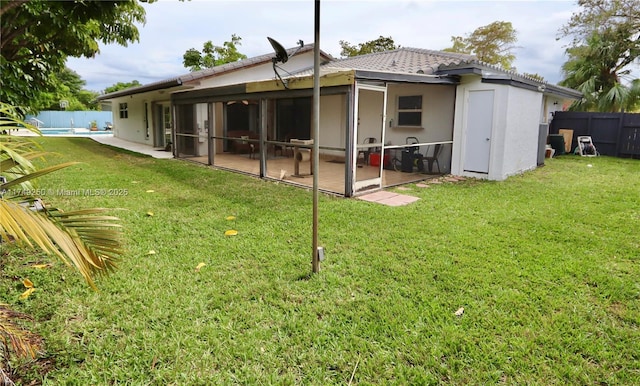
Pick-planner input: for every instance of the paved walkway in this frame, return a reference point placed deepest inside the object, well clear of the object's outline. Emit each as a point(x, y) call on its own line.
point(388, 198)
point(132, 146)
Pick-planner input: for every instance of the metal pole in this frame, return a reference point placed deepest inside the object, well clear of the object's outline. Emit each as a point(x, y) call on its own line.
point(315, 261)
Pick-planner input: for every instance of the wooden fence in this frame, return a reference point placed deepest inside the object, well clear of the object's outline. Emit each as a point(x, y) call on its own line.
point(613, 134)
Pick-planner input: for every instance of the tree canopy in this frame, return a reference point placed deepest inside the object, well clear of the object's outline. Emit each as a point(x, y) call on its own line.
point(213, 55)
point(606, 43)
point(121, 86)
point(39, 35)
point(380, 44)
point(68, 86)
point(493, 44)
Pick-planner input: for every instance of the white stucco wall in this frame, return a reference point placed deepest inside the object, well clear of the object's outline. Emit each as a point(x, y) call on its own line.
point(369, 119)
point(552, 104)
point(522, 122)
point(437, 113)
point(517, 114)
point(333, 122)
point(259, 72)
point(499, 141)
point(133, 128)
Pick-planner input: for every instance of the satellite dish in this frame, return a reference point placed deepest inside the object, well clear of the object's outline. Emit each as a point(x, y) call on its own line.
point(281, 53)
point(281, 57)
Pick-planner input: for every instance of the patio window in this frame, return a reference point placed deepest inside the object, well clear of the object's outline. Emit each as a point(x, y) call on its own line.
point(410, 110)
point(124, 112)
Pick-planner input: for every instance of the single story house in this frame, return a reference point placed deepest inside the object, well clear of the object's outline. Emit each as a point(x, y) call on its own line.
point(385, 118)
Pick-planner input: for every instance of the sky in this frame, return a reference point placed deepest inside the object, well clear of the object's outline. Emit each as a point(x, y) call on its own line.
point(173, 27)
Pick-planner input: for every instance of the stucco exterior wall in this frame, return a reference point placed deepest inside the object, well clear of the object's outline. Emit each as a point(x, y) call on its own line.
point(333, 122)
point(437, 113)
point(550, 105)
point(499, 140)
point(133, 128)
point(522, 121)
point(517, 114)
point(259, 72)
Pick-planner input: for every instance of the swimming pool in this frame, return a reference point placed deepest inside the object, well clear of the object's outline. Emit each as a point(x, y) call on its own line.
point(73, 132)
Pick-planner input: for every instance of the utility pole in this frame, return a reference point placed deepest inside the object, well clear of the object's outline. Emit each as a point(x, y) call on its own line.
point(315, 259)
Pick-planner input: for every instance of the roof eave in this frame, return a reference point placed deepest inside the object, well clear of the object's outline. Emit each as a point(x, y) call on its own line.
point(511, 79)
point(193, 77)
point(141, 89)
point(563, 92)
point(545, 88)
point(459, 71)
point(407, 78)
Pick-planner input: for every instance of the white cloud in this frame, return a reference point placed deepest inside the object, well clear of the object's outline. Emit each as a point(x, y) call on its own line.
point(173, 27)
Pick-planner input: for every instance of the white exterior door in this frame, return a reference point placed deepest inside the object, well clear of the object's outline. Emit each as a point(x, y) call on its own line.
point(478, 133)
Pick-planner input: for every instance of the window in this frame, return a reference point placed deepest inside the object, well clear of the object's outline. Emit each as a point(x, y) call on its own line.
point(410, 110)
point(124, 112)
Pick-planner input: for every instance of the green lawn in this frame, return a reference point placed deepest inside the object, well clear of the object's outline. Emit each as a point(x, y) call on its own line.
point(546, 266)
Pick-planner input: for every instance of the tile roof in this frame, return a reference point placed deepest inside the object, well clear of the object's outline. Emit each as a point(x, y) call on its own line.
point(407, 61)
point(196, 75)
point(245, 63)
point(403, 60)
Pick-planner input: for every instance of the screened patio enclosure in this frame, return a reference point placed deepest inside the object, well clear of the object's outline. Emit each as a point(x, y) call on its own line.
point(366, 142)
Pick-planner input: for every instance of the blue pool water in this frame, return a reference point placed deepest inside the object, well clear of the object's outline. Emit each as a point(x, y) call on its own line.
point(74, 131)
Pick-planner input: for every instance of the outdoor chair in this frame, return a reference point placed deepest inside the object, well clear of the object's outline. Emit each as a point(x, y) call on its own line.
point(368, 150)
point(430, 159)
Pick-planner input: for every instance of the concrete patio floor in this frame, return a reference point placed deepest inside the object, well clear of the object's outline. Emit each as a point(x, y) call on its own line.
point(379, 197)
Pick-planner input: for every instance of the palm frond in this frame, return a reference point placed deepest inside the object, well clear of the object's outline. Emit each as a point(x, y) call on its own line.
point(22, 161)
point(89, 243)
point(88, 240)
point(36, 174)
point(613, 99)
point(10, 118)
point(14, 338)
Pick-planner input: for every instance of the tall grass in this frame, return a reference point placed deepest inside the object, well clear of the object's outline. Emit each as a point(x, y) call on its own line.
point(545, 265)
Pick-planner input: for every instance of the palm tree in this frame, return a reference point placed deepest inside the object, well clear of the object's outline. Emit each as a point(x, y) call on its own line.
point(88, 240)
point(597, 70)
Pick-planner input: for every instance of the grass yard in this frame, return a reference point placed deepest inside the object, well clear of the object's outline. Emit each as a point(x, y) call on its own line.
point(546, 266)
